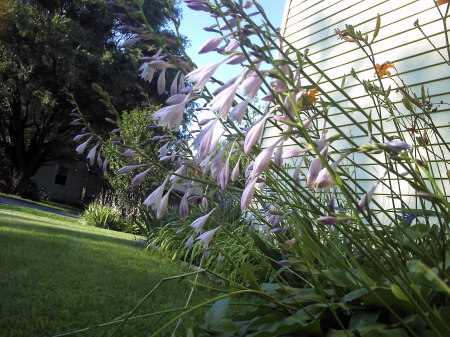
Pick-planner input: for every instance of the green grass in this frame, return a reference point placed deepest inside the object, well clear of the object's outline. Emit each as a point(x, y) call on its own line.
point(49, 203)
point(57, 276)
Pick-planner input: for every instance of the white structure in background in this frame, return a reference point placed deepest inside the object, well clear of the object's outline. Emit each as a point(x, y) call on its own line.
point(310, 24)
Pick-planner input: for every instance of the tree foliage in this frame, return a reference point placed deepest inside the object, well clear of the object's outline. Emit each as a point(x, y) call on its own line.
point(48, 49)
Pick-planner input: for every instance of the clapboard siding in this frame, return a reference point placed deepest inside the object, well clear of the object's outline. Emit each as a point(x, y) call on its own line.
point(310, 24)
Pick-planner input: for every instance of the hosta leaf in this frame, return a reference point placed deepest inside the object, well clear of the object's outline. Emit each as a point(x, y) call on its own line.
point(217, 312)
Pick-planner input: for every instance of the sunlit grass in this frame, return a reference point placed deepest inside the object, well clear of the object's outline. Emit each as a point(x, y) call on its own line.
point(57, 276)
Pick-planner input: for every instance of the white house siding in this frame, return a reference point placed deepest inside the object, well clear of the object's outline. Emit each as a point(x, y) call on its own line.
point(310, 24)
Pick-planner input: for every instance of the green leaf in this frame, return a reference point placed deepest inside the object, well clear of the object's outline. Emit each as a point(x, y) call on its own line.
point(248, 274)
point(399, 293)
point(217, 312)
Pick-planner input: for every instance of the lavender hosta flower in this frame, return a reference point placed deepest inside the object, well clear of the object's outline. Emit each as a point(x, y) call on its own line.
point(147, 72)
point(396, 145)
point(263, 159)
point(180, 231)
point(163, 150)
point(128, 168)
point(174, 85)
point(91, 155)
point(205, 238)
point(176, 99)
point(248, 193)
point(202, 74)
point(224, 173)
point(324, 180)
point(78, 137)
point(238, 112)
point(176, 176)
point(160, 65)
point(139, 178)
point(298, 168)
point(367, 198)
point(286, 263)
point(278, 156)
point(155, 197)
point(315, 167)
point(199, 223)
point(161, 85)
point(255, 132)
point(217, 163)
point(170, 116)
point(232, 45)
point(129, 42)
point(204, 140)
point(294, 152)
point(80, 148)
point(99, 159)
point(184, 207)
point(190, 242)
point(290, 242)
point(251, 85)
point(205, 204)
point(235, 172)
point(224, 100)
point(237, 59)
point(213, 43)
point(162, 207)
point(130, 154)
point(331, 220)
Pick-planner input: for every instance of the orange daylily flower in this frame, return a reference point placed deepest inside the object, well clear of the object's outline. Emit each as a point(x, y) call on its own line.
point(382, 70)
point(441, 2)
point(312, 95)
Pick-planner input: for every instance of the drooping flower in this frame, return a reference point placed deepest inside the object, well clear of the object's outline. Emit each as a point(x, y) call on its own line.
point(80, 148)
point(315, 167)
point(252, 84)
point(155, 197)
point(367, 198)
point(396, 145)
point(382, 70)
point(200, 222)
point(190, 242)
point(205, 238)
point(212, 43)
point(331, 220)
point(263, 159)
point(224, 100)
point(170, 116)
point(235, 172)
point(248, 193)
point(130, 154)
point(91, 155)
point(255, 132)
point(174, 85)
point(161, 82)
point(202, 74)
point(139, 178)
point(162, 207)
point(238, 112)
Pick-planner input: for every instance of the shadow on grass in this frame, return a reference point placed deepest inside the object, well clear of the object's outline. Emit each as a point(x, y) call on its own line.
point(70, 233)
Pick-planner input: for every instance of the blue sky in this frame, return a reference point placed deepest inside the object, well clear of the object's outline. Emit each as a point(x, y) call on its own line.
point(192, 26)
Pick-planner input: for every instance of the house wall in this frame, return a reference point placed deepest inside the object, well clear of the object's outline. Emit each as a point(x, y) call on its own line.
point(310, 24)
point(78, 178)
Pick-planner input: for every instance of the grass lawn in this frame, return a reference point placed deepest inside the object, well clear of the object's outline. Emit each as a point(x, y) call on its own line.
point(49, 203)
point(57, 276)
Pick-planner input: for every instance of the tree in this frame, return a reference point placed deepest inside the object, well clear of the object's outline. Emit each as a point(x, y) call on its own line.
point(49, 49)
